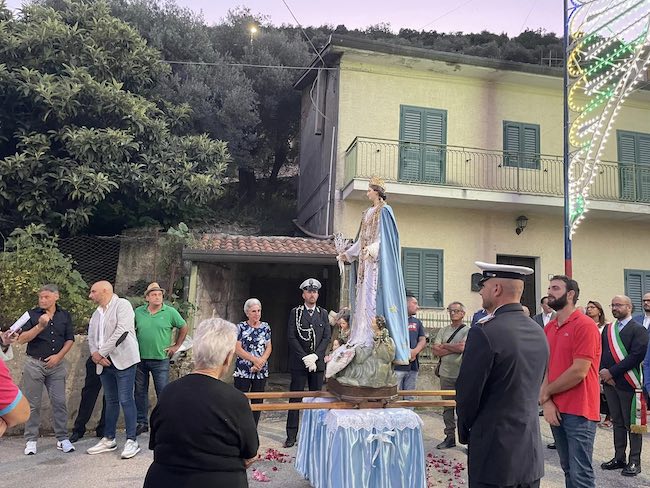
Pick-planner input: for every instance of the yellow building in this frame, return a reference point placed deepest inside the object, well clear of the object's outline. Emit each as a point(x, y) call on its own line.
point(467, 145)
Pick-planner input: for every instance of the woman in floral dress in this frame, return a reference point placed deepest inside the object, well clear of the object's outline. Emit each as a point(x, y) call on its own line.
point(253, 350)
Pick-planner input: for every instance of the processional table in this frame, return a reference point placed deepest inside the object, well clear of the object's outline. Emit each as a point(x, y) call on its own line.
point(364, 448)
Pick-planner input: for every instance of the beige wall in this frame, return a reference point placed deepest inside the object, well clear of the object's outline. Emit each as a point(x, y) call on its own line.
point(602, 250)
point(371, 95)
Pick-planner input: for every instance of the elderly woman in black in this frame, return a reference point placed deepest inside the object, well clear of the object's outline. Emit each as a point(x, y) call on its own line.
point(202, 429)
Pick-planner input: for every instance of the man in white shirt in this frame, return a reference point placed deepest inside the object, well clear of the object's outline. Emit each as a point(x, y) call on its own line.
point(547, 314)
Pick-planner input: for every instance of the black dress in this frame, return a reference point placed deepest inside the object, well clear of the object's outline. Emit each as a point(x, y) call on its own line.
point(202, 430)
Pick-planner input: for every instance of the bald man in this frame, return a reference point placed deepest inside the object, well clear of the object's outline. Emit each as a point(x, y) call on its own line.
point(114, 350)
point(624, 347)
point(497, 388)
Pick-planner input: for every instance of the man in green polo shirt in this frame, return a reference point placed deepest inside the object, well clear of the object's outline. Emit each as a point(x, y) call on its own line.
point(154, 324)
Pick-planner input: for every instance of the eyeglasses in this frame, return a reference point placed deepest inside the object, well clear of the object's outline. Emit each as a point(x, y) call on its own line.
point(618, 305)
point(454, 310)
point(646, 300)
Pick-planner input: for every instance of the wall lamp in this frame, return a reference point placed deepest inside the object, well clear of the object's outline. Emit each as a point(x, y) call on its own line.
point(522, 222)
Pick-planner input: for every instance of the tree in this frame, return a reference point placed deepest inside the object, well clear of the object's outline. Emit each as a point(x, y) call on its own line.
point(83, 141)
point(31, 258)
point(221, 96)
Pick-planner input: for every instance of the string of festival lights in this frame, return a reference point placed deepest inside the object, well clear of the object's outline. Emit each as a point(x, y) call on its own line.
point(608, 57)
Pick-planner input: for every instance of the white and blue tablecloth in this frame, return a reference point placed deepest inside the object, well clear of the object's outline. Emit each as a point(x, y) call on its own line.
point(367, 448)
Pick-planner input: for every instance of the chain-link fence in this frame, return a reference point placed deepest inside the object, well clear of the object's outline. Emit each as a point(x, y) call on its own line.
point(129, 261)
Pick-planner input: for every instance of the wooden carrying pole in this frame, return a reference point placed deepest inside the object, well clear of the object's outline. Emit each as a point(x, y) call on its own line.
point(342, 405)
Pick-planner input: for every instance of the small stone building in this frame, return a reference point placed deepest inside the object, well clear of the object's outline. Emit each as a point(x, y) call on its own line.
point(226, 270)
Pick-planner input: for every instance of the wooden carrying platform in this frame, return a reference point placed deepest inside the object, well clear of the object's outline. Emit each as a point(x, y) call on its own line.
point(341, 404)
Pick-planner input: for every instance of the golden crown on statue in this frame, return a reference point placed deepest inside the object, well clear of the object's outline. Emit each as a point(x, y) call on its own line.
point(376, 180)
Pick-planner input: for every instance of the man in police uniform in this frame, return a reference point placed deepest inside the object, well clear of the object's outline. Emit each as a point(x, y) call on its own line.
point(503, 367)
point(308, 335)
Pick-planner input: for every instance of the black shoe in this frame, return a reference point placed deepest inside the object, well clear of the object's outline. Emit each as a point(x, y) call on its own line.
point(551, 446)
point(447, 443)
point(289, 443)
point(631, 469)
point(75, 437)
point(613, 464)
point(141, 429)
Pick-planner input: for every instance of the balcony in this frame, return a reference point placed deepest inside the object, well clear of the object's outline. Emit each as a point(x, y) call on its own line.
point(453, 167)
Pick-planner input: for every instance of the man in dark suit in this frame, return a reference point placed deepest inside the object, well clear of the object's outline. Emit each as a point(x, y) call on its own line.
point(546, 315)
point(624, 346)
point(308, 335)
point(497, 389)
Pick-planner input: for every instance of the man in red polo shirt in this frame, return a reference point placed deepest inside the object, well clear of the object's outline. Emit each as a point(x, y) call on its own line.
point(570, 394)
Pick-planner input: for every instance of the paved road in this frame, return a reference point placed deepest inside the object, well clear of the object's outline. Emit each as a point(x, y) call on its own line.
point(52, 468)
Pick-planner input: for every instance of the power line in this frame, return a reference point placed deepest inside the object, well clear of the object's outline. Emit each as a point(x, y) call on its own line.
point(447, 13)
point(304, 33)
point(247, 65)
point(523, 24)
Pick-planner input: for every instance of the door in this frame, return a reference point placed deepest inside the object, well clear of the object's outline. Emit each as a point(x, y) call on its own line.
point(528, 297)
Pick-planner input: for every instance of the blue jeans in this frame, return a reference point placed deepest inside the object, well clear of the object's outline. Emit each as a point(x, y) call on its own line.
point(574, 440)
point(118, 390)
point(159, 369)
point(406, 381)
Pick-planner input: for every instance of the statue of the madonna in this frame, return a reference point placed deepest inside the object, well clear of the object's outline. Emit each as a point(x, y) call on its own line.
point(376, 280)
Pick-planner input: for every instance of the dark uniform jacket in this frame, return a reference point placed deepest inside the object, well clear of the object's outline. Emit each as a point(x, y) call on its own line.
point(497, 393)
point(635, 339)
point(299, 348)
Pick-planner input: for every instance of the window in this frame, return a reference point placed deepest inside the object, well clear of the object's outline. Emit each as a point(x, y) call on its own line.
point(634, 165)
point(521, 145)
point(423, 136)
point(423, 275)
point(637, 284)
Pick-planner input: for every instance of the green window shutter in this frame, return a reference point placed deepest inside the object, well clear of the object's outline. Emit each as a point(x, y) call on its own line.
point(627, 158)
point(435, 137)
point(511, 146)
point(420, 128)
point(634, 286)
point(432, 279)
point(521, 144)
point(626, 147)
point(423, 275)
point(411, 265)
point(530, 143)
point(644, 149)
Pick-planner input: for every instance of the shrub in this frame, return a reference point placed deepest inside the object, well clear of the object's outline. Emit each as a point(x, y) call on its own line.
point(31, 258)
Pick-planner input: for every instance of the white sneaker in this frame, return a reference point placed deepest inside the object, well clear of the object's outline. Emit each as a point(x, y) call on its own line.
point(65, 445)
point(131, 448)
point(30, 448)
point(104, 445)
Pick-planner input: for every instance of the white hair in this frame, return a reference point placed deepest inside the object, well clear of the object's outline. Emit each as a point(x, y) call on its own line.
point(214, 340)
point(250, 303)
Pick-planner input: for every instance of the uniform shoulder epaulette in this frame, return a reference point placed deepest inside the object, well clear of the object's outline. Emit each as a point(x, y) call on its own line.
point(485, 319)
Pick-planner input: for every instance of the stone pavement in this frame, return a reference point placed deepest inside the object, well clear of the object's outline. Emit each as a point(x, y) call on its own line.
point(52, 468)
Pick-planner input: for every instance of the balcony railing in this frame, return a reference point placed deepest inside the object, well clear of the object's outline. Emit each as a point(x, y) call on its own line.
point(462, 167)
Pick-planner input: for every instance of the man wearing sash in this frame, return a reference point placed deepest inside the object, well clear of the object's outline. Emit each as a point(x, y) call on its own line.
point(624, 346)
point(570, 394)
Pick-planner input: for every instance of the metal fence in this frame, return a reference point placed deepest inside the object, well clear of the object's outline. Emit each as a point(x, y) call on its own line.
point(432, 321)
point(463, 167)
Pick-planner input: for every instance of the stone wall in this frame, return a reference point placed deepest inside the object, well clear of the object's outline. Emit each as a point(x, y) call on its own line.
point(76, 360)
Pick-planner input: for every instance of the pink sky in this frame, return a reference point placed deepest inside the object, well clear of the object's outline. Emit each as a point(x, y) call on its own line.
point(510, 16)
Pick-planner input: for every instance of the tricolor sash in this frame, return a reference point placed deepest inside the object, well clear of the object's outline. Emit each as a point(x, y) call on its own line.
point(638, 414)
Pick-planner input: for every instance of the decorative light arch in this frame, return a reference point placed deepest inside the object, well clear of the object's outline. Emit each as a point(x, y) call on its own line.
point(607, 57)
